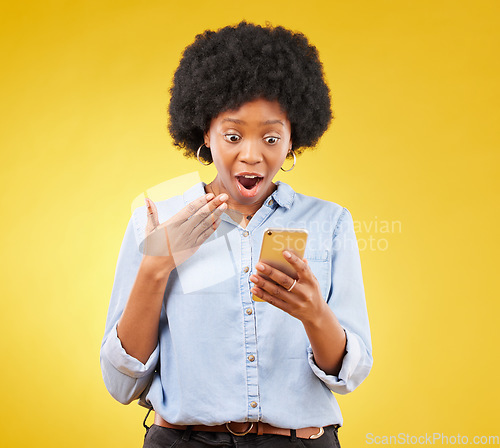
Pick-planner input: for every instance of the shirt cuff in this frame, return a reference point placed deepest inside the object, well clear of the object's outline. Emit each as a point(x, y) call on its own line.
point(340, 383)
point(123, 362)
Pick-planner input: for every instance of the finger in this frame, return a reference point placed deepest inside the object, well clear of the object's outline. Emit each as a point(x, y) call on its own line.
point(209, 219)
point(269, 298)
point(270, 287)
point(190, 209)
point(205, 211)
point(300, 265)
point(199, 233)
point(275, 274)
point(152, 216)
point(203, 236)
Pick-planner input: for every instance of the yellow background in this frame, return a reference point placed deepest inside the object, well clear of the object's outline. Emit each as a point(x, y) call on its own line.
point(415, 140)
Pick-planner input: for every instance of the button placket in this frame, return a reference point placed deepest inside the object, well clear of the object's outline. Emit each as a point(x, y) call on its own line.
point(249, 326)
point(251, 364)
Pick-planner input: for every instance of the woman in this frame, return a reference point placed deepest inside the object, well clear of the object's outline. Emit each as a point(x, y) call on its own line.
point(183, 333)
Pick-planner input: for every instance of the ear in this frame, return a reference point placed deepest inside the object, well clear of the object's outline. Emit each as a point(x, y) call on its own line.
point(206, 138)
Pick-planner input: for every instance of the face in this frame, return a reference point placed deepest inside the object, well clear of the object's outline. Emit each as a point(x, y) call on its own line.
point(249, 145)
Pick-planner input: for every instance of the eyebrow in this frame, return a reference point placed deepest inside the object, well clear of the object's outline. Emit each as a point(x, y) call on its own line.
point(234, 120)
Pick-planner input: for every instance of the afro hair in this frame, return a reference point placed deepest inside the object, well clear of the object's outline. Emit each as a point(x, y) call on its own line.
point(221, 70)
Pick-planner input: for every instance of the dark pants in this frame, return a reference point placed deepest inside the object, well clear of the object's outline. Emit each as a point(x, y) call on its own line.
point(160, 437)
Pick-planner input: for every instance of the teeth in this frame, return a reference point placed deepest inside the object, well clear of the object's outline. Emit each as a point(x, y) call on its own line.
point(250, 177)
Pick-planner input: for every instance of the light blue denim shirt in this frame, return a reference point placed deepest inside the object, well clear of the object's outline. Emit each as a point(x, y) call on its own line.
point(223, 357)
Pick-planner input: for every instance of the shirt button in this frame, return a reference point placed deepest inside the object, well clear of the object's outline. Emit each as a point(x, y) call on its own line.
point(249, 311)
point(253, 404)
point(270, 202)
point(251, 358)
point(246, 269)
point(245, 233)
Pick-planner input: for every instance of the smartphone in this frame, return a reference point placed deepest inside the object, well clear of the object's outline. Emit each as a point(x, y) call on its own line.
point(274, 242)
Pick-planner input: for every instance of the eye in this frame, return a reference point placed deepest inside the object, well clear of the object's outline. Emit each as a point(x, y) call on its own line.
point(233, 138)
point(272, 140)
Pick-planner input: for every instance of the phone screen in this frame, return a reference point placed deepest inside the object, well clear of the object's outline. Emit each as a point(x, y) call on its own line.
point(274, 242)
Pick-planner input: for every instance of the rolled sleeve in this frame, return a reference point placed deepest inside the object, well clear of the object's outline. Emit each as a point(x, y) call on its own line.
point(125, 377)
point(352, 372)
point(114, 352)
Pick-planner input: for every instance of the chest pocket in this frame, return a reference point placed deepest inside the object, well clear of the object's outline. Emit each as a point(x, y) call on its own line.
point(319, 261)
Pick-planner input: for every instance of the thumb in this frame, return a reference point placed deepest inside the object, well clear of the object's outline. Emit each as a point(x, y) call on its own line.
point(152, 215)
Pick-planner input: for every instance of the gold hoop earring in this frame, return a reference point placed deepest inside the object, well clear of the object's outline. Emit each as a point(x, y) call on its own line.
point(294, 161)
point(198, 154)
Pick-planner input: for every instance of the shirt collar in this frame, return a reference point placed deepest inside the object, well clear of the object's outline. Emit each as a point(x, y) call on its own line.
point(283, 195)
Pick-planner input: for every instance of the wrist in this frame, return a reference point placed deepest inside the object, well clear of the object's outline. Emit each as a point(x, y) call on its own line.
point(158, 268)
point(316, 320)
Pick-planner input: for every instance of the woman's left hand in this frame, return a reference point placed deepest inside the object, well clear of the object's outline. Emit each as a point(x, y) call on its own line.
point(304, 301)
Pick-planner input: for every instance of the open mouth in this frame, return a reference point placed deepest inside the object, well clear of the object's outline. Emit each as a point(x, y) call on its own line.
point(248, 184)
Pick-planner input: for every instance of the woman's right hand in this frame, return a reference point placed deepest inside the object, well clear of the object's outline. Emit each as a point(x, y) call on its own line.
point(175, 240)
point(166, 246)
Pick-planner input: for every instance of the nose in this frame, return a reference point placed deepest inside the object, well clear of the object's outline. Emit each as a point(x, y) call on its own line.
point(250, 152)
